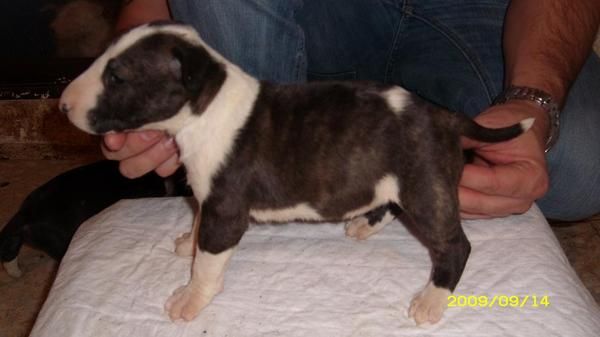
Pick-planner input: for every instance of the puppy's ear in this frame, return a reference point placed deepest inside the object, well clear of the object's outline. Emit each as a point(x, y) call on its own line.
point(175, 68)
point(193, 66)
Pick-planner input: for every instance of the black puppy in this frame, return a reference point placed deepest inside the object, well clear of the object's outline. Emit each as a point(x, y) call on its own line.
point(51, 214)
point(329, 151)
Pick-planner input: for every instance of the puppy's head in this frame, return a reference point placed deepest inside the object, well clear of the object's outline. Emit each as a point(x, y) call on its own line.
point(143, 80)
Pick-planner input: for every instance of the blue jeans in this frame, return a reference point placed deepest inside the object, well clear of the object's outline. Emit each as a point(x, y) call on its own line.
point(446, 51)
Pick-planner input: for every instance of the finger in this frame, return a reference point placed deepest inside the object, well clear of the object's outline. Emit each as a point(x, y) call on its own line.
point(518, 180)
point(119, 148)
point(169, 167)
point(480, 205)
point(480, 162)
point(114, 141)
point(150, 159)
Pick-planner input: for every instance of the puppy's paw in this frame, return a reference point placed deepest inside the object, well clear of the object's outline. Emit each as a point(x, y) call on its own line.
point(428, 306)
point(186, 302)
point(12, 268)
point(359, 228)
point(184, 245)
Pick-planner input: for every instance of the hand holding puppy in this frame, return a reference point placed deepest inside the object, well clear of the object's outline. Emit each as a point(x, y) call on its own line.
point(142, 152)
point(506, 178)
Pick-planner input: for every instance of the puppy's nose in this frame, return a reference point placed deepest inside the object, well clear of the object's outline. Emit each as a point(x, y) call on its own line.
point(64, 107)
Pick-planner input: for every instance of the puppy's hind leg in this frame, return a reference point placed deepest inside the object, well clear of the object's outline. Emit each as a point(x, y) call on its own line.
point(12, 237)
point(435, 220)
point(362, 227)
point(185, 245)
point(12, 268)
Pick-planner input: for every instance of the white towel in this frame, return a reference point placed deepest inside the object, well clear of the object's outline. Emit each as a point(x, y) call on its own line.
point(308, 280)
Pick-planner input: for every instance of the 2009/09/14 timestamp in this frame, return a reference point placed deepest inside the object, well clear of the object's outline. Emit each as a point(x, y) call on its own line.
point(503, 301)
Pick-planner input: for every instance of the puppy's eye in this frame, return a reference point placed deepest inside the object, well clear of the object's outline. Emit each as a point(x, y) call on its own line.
point(113, 78)
point(113, 74)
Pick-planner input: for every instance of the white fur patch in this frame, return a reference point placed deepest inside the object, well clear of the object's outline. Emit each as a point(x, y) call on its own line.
point(208, 272)
point(82, 94)
point(527, 123)
point(429, 305)
point(387, 190)
point(299, 212)
point(360, 229)
point(397, 98)
point(206, 140)
point(208, 269)
point(175, 123)
point(12, 268)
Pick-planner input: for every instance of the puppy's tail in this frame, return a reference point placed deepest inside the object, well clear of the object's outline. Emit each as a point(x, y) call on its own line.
point(471, 129)
point(11, 240)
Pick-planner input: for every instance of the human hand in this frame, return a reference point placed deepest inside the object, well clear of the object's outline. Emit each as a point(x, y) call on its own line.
point(505, 178)
point(142, 152)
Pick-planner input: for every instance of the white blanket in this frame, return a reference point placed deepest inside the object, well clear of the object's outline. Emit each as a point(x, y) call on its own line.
point(308, 280)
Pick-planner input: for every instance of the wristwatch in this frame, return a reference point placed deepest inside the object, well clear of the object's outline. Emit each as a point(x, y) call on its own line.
point(543, 99)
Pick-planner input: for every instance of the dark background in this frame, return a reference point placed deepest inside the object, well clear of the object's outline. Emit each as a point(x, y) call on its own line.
point(46, 43)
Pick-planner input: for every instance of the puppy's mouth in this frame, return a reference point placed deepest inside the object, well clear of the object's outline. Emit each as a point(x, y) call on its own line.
point(108, 126)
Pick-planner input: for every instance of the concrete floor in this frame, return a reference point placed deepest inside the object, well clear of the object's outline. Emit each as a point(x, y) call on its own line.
point(21, 299)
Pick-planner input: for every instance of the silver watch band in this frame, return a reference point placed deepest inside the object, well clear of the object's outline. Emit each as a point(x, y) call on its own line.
point(543, 99)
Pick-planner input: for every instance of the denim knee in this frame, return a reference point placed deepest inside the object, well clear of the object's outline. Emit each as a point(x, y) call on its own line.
point(260, 36)
point(574, 162)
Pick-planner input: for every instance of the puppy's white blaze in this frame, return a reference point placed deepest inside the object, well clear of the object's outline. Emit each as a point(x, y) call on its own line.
point(207, 139)
point(397, 99)
point(209, 134)
point(387, 190)
point(82, 94)
point(299, 212)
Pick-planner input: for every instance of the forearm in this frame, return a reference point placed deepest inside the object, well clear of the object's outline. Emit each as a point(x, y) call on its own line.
point(546, 42)
point(136, 12)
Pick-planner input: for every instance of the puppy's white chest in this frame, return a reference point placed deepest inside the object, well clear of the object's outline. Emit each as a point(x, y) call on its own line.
point(208, 138)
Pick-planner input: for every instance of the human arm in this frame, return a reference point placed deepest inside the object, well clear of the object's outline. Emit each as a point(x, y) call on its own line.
point(137, 12)
point(545, 46)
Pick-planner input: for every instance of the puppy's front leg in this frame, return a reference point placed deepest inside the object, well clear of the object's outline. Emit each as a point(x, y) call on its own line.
point(208, 271)
point(222, 227)
point(186, 243)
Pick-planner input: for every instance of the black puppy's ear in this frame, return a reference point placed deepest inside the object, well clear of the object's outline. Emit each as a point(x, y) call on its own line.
point(191, 65)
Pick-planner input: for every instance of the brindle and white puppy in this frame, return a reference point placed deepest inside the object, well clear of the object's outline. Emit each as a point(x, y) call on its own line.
point(329, 151)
